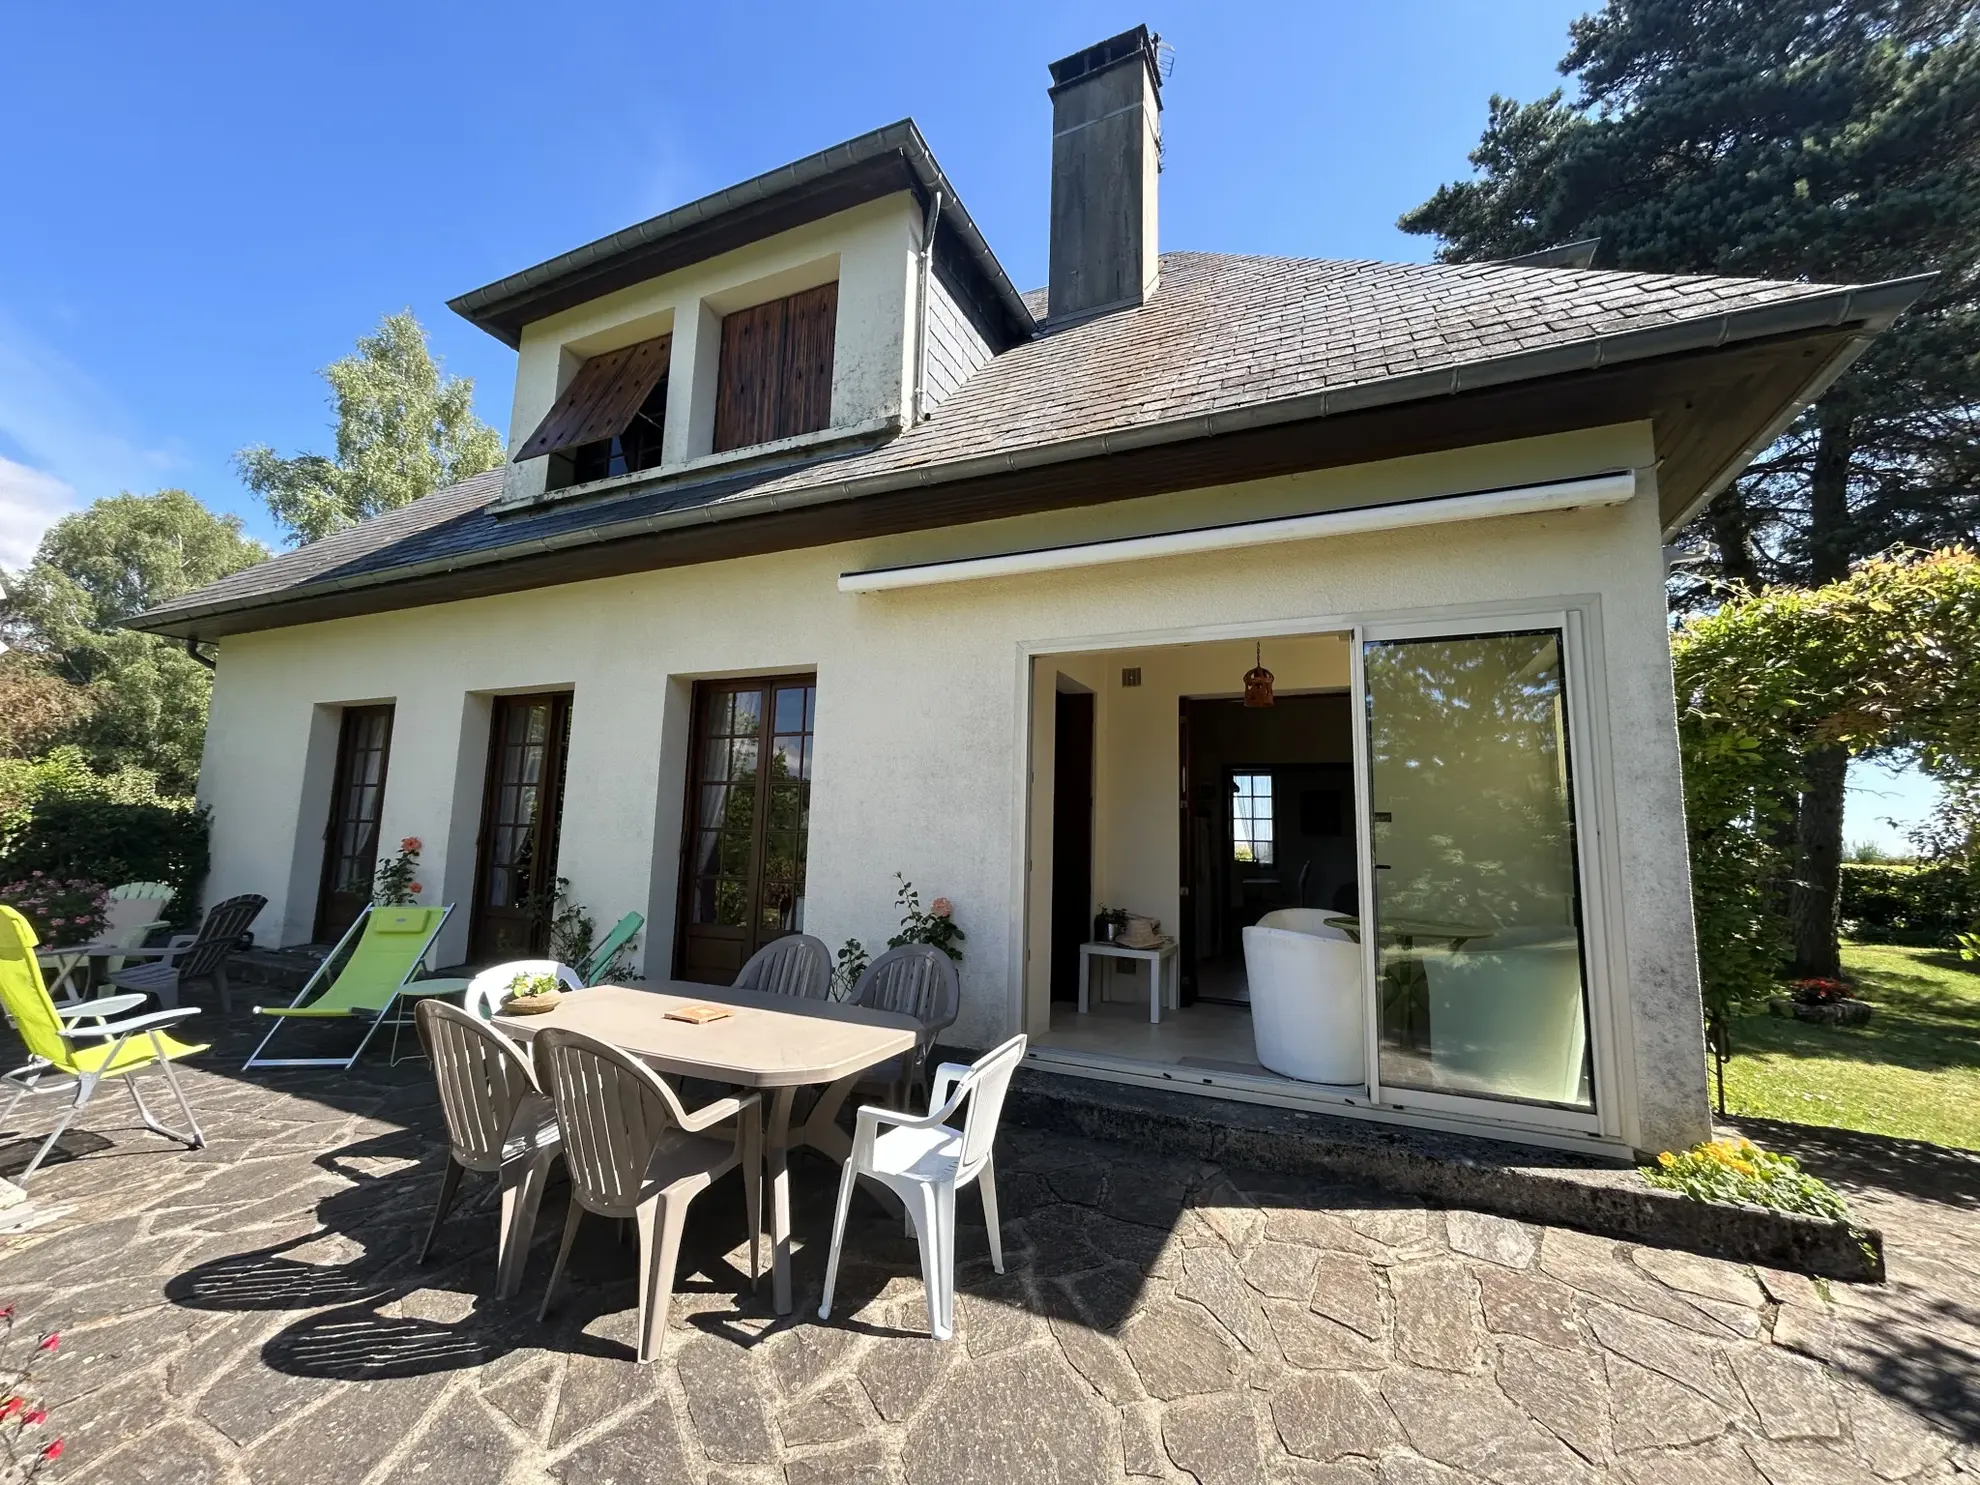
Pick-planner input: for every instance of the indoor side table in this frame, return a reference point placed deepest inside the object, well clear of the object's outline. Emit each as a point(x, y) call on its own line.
point(1164, 973)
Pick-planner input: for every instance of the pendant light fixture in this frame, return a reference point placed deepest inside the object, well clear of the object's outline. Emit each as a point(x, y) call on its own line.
point(1258, 681)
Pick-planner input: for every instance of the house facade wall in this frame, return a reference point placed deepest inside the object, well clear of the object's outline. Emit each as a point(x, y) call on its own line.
point(925, 716)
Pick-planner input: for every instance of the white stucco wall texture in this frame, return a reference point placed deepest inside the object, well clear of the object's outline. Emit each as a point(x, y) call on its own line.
point(924, 721)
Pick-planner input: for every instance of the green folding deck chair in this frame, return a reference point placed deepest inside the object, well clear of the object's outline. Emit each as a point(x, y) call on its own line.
point(74, 1048)
point(601, 957)
point(391, 944)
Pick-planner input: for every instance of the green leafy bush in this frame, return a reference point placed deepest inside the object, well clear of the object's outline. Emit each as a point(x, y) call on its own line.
point(111, 841)
point(1735, 1172)
point(1931, 902)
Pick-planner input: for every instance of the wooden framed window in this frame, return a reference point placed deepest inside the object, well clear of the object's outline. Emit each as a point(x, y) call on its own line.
point(521, 816)
point(775, 376)
point(350, 838)
point(745, 828)
point(610, 419)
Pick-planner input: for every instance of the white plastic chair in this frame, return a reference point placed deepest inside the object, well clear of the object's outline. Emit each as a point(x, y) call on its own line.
point(486, 990)
point(924, 1161)
point(633, 1151)
point(498, 1122)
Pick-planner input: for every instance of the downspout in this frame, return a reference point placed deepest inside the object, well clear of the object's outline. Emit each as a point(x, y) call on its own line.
point(192, 649)
point(921, 327)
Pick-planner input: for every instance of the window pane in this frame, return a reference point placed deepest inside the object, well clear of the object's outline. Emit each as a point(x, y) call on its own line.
point(1478, 918)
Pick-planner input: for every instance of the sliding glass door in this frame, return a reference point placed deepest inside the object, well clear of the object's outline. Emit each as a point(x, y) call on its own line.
point(1477, 941)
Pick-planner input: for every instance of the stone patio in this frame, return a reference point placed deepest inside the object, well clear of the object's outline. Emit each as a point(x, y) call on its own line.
point(252, 1312)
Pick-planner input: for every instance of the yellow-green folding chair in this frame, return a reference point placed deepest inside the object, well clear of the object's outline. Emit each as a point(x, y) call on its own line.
point(73, 1048)
point(391, 943)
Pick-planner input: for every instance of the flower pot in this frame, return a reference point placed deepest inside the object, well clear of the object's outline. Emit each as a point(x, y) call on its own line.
point(530, 1005)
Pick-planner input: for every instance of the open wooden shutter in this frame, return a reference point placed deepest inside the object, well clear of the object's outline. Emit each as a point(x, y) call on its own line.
point(601, 399)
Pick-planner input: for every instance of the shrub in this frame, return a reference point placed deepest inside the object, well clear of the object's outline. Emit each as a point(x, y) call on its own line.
point(1736, 1172)
point(1932, 902)
point(63, 910)
point(112, 841)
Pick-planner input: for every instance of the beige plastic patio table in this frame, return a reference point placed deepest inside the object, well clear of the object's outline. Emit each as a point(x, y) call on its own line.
point(772, 1042)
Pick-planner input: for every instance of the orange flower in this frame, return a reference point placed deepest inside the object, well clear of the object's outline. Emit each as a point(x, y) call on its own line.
point(409, 844)
point(415, 889)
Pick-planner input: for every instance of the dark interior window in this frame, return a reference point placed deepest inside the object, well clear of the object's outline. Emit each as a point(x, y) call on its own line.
point(631, 451)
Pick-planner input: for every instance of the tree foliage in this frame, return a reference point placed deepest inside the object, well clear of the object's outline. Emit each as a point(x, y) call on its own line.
point(403, 430)
point(1881, 661)
point(125, 699)
point(1789, 139)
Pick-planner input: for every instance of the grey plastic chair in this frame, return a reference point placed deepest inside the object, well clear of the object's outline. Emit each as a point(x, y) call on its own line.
point(498, 1122)
point(194, 956)
point(798, 965)
point(634, 1151)
point(915, 980)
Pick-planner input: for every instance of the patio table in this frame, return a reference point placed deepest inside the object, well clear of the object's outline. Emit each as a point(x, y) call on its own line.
point(772, 1042)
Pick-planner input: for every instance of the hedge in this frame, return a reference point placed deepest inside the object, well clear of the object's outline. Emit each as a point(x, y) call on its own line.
point(1912, 902)
point(109, 841)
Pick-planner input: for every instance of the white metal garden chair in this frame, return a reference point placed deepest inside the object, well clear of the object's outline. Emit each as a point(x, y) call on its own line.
point(924, 1161)
point(498, 1122)
point(633, 1151)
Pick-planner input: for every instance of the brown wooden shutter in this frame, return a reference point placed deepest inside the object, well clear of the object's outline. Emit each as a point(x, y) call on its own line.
point(807, 391)
point(601, 399)
point(747, 378)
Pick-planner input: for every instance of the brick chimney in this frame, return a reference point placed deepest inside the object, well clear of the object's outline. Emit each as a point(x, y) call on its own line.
point(1106, 153)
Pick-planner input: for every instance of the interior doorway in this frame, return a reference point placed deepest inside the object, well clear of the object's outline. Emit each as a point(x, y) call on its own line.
point(350, 839)
point(1269, 824)
point(1072, 837)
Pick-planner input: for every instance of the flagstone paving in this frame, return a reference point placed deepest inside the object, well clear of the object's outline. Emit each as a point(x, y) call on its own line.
point(253, 1312)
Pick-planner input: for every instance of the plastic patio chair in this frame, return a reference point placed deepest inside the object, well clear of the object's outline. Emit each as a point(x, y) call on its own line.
point(391, 943)
point(600, 959)
point(633, 1151)
point(66, 1054)
point(498, 1122)
point(796, 964)
point(127, 922)
point(193, 956)
point(916, 980)
point(924, 1162)
point(485, 991)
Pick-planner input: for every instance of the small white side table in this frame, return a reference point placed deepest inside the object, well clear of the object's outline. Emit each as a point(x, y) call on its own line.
point(1164, 973)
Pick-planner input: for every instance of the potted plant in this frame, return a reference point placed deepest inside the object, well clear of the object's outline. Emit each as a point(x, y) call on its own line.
point(1108, 923)
point(532, 995)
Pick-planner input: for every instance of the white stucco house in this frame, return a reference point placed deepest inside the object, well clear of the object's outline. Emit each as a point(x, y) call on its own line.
point(825, 554)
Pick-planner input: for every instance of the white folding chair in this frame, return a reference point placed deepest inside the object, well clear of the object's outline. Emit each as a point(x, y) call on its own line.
point(922, 1160)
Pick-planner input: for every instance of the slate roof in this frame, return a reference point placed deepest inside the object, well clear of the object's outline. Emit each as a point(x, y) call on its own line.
point(1225, 339)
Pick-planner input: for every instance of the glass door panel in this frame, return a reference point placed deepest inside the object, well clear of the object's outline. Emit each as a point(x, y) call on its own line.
point(749, 813)
point(1478, 926)
point(350, 855)
point(522, 818)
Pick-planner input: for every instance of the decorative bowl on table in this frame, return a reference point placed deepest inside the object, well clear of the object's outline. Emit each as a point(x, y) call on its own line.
point(530, 1005)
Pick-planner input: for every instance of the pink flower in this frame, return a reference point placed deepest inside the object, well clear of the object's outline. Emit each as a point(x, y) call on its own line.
point(409, 844)
point(53, 1452)
point(51, 1341)
point(34, 1417)
point(10, 1407)
point(941, 907)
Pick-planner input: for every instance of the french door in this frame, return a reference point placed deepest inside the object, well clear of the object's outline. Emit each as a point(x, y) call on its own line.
point(350, 838)
point(521, 814)
point(745, 826)
point(1476, 947)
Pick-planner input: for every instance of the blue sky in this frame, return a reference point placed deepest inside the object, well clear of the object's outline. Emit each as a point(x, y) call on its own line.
point(240, 191)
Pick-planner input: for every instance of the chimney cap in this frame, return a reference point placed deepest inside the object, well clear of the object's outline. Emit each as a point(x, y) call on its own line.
point(1106, 55)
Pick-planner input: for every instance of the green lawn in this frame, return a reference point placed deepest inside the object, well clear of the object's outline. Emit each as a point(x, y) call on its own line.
point(1913, 1071)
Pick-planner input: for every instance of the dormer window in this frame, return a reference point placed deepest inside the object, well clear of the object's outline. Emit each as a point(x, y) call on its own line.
point(610, 418)
point(775, 377)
